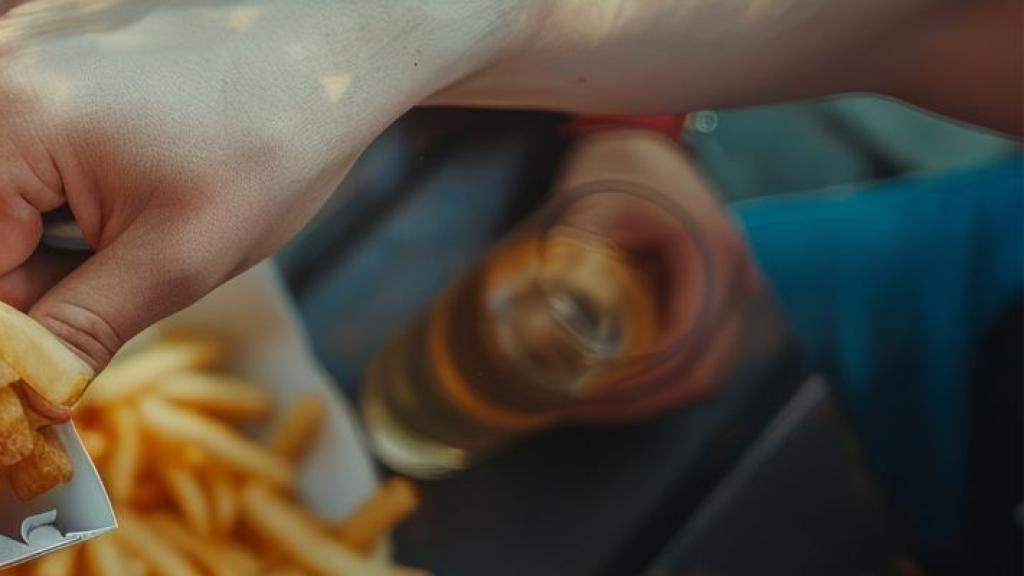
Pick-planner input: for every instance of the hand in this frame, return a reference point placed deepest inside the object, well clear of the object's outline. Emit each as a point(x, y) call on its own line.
point(192, 139)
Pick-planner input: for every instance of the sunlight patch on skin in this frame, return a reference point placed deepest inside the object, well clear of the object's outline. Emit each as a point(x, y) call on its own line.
point(593, 21)
point(123, 40)
point(91, 6)
point(61, 90)
point(242, 18)
point(334, 86)
point(296, 51)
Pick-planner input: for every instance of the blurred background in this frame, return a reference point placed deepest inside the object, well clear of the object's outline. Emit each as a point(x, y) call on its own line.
point(800, 466)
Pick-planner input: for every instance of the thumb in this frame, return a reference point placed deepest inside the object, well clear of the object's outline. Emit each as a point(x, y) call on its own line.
point(146, 274)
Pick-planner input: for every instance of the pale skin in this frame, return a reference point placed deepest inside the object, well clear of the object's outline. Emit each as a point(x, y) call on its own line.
point(192, 139)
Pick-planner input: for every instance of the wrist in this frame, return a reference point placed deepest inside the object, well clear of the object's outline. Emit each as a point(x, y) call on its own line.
point(502, 30)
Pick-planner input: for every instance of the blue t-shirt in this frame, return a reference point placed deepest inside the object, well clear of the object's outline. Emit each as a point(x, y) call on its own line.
point(889, 289)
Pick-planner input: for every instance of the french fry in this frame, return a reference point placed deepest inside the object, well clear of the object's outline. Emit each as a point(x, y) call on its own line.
point(217, 394)
point(134, 567)
point(193, 494)
point(148, 495)
point(103, 557)
point(7, 375)
point(194, 457)
point(96, 442)
point(133, 374)
point(147, 545)
point(219, 440)
point(47, 467)
point(60, 563)
point(125, 462)
point(389, 505)
point(288, 526)
point(243, 559)
point(214, 558)
point(223, 502)
point(296, 429)
point(271, 555)
point(189, 498)
point(15, 432)
point(41, 359)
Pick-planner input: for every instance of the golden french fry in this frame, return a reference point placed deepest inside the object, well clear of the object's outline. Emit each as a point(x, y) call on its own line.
point(103, 556)
point(96, 442)
point(219, 440)
point(147, 545)
point(134, 567)
point(287, 526)
point(125, 461)
point(388, 506)
point(296, 429)
point(148, 495)
point(60, 563)
point(217, 394)
point(209, 494)
point(41, 359)
point(134, 374)
point(7, 375)
point(223, 502)
point(243, 559)
point(15, 432)
point(189, 498)
point(194, 457)
point(271, 554)
point(210, 555)
point(47, 467)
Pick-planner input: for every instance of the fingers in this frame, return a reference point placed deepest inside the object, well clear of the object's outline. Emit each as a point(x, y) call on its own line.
point(52, 412)
point(24, 285)
point(21, 227)
point(29, 186)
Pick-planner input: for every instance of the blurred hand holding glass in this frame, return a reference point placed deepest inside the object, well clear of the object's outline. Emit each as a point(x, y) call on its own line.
point(614, 302)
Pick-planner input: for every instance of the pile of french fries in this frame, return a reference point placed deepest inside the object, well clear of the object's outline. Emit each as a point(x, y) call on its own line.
point(32, 459)
point(34, 364)
point(194, 494)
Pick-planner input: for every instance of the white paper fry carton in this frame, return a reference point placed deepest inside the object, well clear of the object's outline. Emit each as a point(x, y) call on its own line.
point(71, 514)
point(254, 314)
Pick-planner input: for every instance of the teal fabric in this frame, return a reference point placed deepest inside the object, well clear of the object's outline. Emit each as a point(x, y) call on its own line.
point(889, 289)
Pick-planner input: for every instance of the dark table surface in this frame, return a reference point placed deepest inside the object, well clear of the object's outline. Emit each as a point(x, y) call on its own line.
point(423, 203)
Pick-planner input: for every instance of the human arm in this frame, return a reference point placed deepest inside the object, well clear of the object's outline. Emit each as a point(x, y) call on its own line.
point(190, 140)
point(963, 58)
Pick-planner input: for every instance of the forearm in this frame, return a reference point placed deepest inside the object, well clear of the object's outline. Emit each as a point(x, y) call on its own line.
point(969, 65)
point(665, 56)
